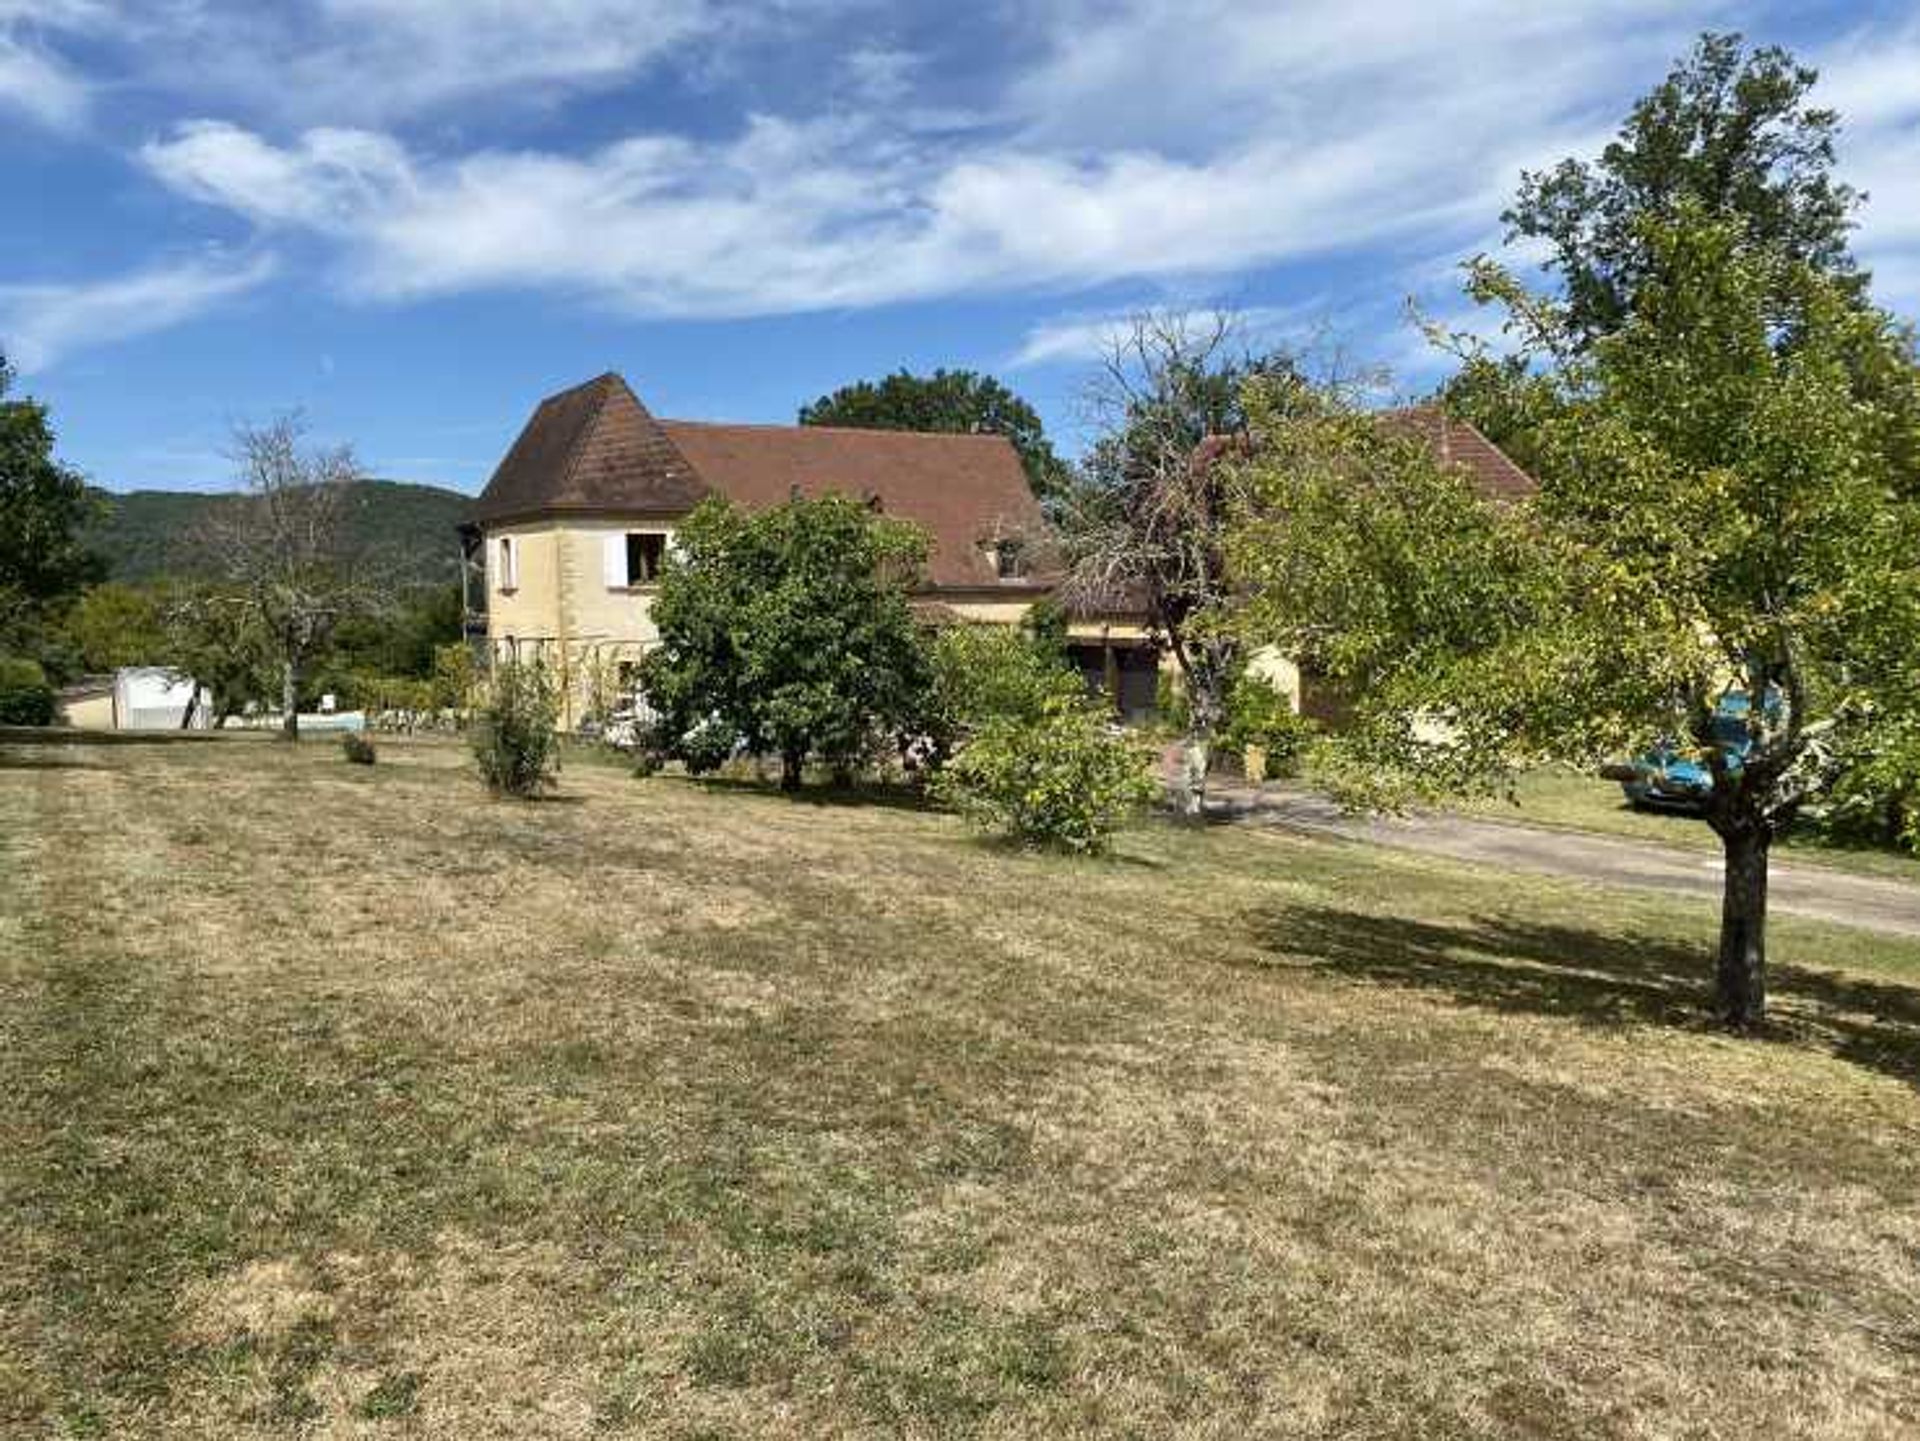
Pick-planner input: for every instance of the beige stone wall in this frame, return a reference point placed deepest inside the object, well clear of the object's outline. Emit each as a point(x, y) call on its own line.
point(563, 607)
point(530, 608)
point(88, 712)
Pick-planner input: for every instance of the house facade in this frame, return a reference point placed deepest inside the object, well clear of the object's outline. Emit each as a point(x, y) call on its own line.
point(565, 544)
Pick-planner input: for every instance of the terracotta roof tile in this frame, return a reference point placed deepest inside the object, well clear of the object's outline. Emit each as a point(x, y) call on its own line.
point(965, 491)
point(596, 448)
point(1459, 442)
point(592, 448)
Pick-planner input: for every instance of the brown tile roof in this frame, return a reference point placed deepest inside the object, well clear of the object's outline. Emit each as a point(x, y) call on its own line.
point(596, 448)
point(964, 490)
point(592, 448)
point(1460, 443)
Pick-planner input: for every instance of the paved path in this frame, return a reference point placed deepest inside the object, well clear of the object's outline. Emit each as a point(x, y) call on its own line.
point(1891, 907)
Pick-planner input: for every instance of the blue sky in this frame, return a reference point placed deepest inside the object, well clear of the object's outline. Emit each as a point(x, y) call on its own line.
point(413, 218)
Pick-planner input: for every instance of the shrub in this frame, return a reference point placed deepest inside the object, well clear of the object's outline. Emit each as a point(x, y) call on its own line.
point(983, 671)
point(514, 739)
point(1061, 779)
point(25, 697)
point(357, 748)
point(1260, 715)
point(707, 746)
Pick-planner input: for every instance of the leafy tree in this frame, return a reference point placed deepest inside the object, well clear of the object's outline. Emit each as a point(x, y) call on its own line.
point(1146, 520)
point(44, 507)
point(1720, 513)
point(951, 402)
point(282, 552)
point(222, 644)
point(789, 629)
point(515, 740)
point(1728, 132)
point(116, 625)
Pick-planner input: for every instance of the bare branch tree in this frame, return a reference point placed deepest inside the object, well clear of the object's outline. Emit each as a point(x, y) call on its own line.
point(280, 549)
point(1145, 525)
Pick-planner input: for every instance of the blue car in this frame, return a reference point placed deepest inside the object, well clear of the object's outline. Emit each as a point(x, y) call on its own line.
point(1665, 778)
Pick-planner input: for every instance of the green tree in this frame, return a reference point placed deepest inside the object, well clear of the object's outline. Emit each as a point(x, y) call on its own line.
point(959, 402)
point(1728, 132)
point(790, 629)
point(983, 672)
point(219, 640)
point(116, 625)
point(44, 507)
point(1720, 513)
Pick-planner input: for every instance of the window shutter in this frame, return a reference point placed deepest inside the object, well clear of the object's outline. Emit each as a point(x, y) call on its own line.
point(614, 560)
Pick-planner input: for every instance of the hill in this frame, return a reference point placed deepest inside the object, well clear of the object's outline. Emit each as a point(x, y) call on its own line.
point(148, 533)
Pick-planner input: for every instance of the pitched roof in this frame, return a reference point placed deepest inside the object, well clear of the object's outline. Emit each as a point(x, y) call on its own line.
point(592, 448)
point(1459, 442)
point(596, 448)
point(965, 491)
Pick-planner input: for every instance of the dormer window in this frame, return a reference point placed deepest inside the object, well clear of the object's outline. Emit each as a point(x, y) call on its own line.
point(1009, 559)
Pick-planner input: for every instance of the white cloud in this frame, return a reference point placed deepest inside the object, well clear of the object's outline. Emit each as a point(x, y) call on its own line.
point(1080, 338)
point(1873, 79)
point(1107, 161)
point(40, 324)
point(38, 85)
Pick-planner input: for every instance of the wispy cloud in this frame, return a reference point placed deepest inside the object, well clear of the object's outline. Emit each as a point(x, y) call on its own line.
point(40, 324)
point(1080, 338)
point(1076, 184)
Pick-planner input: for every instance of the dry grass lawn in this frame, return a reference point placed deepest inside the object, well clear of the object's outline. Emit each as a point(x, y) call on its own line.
point(345, 1102)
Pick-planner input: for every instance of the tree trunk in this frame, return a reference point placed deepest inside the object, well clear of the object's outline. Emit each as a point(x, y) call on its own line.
point(290, 701)
point(790, 764)
point(1740, 981)
point(1194, 756)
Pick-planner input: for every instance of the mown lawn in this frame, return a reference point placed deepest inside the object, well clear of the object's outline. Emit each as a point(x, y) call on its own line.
point(347, 1102)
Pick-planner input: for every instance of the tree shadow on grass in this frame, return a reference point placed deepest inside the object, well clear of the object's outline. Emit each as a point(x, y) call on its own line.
point(863, 796)
point(1599, 978)
point(28, 760)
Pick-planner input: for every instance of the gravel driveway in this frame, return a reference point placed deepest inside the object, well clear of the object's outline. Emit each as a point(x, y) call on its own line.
point(1887, 906)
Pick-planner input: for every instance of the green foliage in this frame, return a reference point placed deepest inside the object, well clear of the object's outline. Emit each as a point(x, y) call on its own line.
point(44, 508)
point(400, 638)
point(1060, 779)
point(221, 644)
point(961, 402)
point(1260, 715)
point(789, 630)
point(146, 535)
point(116, 625)
point(1723, 506)
point(1728, 133)
point(1875, 796)
point(456, 676)
point(514, 737)
point(25, 697)
point(358, 748)
point(984, 672)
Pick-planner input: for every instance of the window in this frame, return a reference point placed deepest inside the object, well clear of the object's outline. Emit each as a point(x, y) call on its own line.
point(634, 557)
point(645, 551)
point(509, 567)
point(1008, 562)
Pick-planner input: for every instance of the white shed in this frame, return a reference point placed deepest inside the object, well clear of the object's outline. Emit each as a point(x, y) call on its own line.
point(152, 697)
